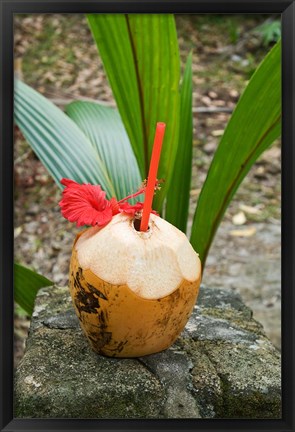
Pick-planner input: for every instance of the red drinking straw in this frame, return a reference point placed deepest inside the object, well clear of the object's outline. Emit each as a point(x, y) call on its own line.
point(152, 177)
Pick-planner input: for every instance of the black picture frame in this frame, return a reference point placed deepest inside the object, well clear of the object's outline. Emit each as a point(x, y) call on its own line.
point(287, 10)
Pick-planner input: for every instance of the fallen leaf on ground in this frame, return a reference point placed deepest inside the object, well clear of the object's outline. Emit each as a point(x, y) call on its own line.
point(217, 133)
point(249, 209)
point(248, 232)
point(239, 218)
point(212, 94)
point(195, 192)
point(17, 231)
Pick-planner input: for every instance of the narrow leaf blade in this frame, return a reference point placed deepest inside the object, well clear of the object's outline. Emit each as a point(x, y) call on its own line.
point(177, 204)
point(109, 31)
point(156, 55)
point(26, 285)
point(144, 73)
point(254, 125)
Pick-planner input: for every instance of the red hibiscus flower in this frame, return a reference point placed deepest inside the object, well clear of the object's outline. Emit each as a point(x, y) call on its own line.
point(86, 204)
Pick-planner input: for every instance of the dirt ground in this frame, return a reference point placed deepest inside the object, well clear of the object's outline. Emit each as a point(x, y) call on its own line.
point(55, 54)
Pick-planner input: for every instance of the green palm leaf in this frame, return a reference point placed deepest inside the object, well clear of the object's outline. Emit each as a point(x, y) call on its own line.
point(104, 129)
point(254, 125)
point(144, 71)
point(56, 139)
point(26, 285)
point(177, 204)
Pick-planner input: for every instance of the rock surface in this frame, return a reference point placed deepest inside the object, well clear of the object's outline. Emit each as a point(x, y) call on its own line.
point(222, 366)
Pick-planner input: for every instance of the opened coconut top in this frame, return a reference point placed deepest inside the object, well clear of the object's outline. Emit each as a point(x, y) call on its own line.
point(153, 263)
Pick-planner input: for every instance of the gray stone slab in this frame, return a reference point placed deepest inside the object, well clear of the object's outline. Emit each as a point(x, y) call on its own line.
point(222, 366)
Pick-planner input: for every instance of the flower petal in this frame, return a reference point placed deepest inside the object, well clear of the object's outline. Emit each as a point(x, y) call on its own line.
point(85, 204)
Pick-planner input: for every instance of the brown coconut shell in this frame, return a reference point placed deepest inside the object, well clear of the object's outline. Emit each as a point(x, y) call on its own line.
point(120, 323)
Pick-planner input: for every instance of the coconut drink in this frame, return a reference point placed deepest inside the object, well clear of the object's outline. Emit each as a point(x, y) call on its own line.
point(134, 278)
